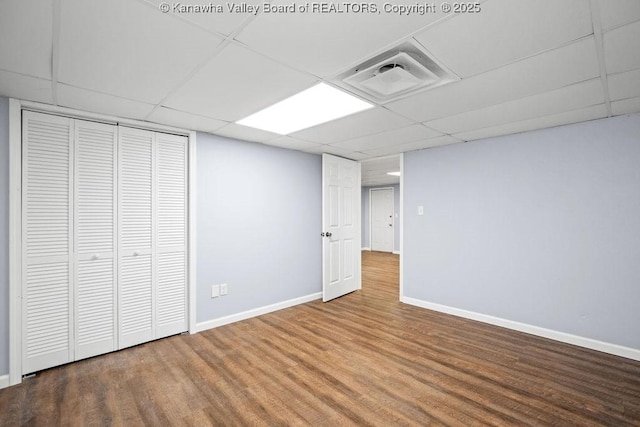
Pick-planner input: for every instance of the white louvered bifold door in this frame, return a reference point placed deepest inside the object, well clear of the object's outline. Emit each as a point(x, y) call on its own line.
point(136, 291)
point(171, 234)
point(95, 244)
point(47, 202)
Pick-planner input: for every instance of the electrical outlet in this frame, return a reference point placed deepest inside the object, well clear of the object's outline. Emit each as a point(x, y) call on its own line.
point(215, 291)
point(420, 210)
point(223, 289)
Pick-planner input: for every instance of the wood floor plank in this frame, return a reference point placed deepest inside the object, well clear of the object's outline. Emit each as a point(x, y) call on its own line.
point(362, 359)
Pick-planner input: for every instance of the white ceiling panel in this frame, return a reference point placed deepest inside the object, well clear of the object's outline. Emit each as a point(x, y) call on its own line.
point(82, 99)
point(292, 143)
point(412, 146)
point(581, 115)
point(618, 12)
point(505, 31)
point(624, 85)
point(26, 37)
point(626, 106)
point(24, 87)
point(237, 83)
point(542, 73)
point(167, 116)
point(568, 98)
point(223, 23)
point(394, 137)
point(622, 47)
point(337, 151)
point(246, 133)
point(325, 43)
point(368, 122)
point(128, 49)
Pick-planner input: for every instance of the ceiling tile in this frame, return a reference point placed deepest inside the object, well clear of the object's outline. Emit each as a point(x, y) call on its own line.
point(224, 23)
point(618, 12)
point(368, 122)
point(237, 83)
point(542, 73)
point(581, 115)
point(336, 151)
point(245, 133)
point(568, 98)
point(621, 47)
point(292, 143)
point(505, 31)
point(412, 146)
point(394, 137)
point(128, 49)
point(325, 43)
point(26, 37)
point(170, 117)
point(82, 99)
point(626, 106)
point(624, 85)
point(14, 85)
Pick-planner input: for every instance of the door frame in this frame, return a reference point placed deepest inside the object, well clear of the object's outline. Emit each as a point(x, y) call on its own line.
point(393, 195)
point(16, 107)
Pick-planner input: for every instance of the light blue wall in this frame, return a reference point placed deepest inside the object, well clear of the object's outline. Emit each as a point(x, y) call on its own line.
point(366, 205)
point(258, 225)
point(541, 228)
point(4, 236)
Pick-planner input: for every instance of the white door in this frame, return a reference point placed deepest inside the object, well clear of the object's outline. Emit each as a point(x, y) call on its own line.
point(382, 219)
point(95, 239)
point(340, 226)
point(136, 258)
point(47, 264)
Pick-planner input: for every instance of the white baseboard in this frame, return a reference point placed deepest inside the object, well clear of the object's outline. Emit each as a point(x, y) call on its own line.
point(4, 381)
point(615, 349)
point(366, 249)
point(396, 252)
point(220, 321)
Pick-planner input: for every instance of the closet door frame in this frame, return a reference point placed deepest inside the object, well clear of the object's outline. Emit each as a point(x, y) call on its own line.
point(16, 107)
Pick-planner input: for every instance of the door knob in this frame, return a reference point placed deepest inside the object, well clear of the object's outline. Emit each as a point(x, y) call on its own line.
point(390, 225)
point(328, 234)
point(95, 257)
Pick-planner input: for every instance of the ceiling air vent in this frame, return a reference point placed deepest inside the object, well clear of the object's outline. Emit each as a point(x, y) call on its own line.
point(396, 73)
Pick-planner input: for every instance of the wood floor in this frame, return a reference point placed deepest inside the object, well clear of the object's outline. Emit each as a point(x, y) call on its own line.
point(363, 359)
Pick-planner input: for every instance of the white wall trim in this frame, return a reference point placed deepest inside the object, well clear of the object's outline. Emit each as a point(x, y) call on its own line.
point(401, 208)
point(15, 241)
point(615, 349)
point(396, 252)
point(4, 381)
point(366, 249)
point(191, 206)
point(221, 321)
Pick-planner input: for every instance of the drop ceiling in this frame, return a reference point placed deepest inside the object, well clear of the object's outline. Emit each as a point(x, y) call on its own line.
point(516, 66)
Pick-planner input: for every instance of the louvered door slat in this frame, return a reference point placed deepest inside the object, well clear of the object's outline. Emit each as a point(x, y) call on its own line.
point(95, 291)
point(135, 283)
point(171, 235)
point(46, 241)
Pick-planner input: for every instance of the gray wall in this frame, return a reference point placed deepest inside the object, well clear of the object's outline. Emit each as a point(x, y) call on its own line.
point(366, 238)
point(4, 236)
point(258, 225)
point(541, 228)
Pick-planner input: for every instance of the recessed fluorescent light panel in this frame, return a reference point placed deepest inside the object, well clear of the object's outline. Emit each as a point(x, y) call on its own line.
point(318, 104)
point(393, 173)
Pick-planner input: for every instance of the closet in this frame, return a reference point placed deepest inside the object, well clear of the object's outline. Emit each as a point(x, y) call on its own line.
point(104, 238)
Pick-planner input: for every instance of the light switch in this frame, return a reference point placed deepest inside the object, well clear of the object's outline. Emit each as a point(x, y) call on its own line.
point(420, 210)
point(215, 291)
